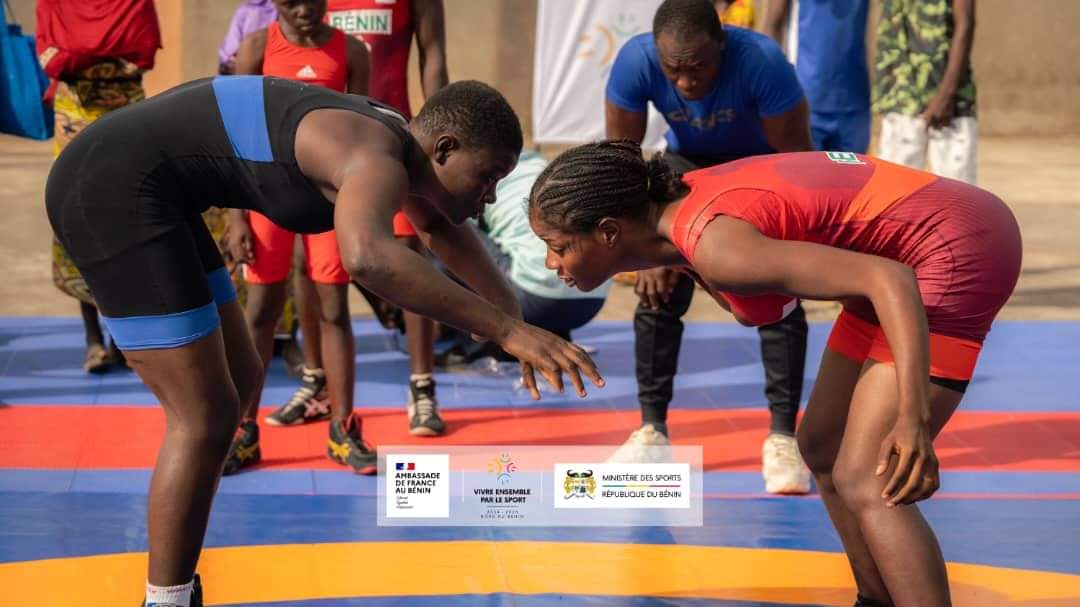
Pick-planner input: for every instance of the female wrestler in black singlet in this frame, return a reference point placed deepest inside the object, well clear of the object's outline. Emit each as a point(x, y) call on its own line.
point(124, 199)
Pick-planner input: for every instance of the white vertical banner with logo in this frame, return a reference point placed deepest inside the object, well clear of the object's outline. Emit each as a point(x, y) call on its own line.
point(576, 44)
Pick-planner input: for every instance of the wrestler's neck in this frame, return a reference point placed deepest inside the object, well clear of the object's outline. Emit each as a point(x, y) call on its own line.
point(655, 247)
point(313, 39)
point(423, 183)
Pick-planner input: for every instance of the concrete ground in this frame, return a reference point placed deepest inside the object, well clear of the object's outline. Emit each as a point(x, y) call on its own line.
point(1039, 178)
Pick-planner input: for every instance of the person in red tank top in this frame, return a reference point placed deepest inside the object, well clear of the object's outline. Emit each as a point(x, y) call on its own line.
point(300, 46)
point(387, 27)
point(921, 264)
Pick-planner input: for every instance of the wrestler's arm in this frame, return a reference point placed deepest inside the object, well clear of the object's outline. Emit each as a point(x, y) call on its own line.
point(362, 165)
point(732, 256)
point(459, 248)
point(367, 199)
point(359, 66)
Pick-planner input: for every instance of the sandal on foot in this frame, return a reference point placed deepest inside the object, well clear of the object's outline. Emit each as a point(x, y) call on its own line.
point(96, 360)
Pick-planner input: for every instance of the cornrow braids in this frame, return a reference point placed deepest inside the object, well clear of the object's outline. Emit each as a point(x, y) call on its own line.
point(603, 179)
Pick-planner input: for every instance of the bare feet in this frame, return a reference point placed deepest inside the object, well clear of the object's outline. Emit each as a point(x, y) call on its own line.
point(97, 359)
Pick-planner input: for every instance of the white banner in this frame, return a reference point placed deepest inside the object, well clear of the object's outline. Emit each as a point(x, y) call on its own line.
point(538, 486)
point(576, 44)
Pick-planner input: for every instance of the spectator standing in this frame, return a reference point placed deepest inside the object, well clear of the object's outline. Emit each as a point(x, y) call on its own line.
point(388, 28)
point(95, 52)
point(924, 90)
point(828, 47)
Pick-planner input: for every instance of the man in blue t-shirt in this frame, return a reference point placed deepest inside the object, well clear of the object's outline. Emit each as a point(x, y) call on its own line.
point(726, 93)
point(827, 44)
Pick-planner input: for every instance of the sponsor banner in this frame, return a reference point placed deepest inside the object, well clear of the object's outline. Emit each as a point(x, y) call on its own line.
point(576, 44)
point(535, 485)
point(417, 485)
point(585, 485)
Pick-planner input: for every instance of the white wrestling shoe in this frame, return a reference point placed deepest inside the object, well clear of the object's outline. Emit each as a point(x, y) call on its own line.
point(646, 445)
point(782, 466)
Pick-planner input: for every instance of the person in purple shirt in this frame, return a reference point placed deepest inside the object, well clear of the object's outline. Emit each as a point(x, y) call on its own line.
point(249, 17)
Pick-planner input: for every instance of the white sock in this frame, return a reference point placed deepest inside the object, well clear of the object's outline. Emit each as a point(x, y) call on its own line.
point(169, 596)
point(420, 376)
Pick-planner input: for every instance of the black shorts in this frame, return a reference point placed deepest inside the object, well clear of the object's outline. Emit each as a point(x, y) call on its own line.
point(154, 270)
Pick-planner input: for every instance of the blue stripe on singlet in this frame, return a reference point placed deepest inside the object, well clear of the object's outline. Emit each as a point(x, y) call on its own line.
point(243, 111)
point(174, 330)
point(163, 330)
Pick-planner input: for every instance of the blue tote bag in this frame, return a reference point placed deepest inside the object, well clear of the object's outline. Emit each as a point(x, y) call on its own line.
point(22, 84)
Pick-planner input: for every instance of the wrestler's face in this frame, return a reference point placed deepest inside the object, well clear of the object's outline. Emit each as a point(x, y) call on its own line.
point(303, 15)
point(581, 260)
point(468, 176)
point(690, 63)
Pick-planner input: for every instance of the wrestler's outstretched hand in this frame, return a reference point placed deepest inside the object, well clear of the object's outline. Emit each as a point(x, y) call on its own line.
point(539, 350)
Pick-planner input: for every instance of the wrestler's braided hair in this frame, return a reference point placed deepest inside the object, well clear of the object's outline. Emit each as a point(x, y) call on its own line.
point(603, 179)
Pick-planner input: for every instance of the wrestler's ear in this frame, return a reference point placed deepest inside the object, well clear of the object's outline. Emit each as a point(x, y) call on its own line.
point(608, 231)
point(445, 145)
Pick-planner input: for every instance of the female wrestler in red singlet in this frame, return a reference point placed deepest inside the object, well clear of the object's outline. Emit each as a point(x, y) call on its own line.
point(921, 264)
